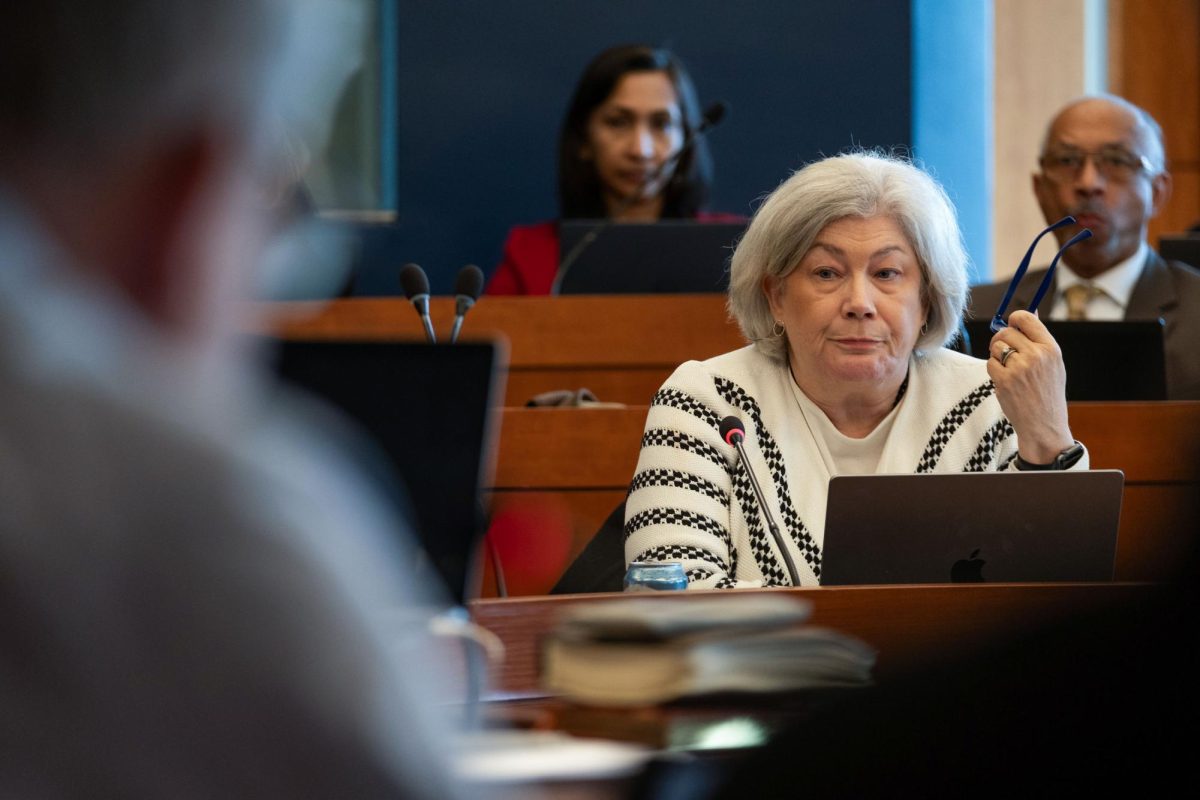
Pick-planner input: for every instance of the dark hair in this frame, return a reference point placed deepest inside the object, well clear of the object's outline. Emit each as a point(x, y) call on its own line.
point(579, 192)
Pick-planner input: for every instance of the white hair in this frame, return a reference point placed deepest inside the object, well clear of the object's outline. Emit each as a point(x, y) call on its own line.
point(851, 185)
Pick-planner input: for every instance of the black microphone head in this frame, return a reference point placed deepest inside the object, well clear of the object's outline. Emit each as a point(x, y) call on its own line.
point(731, 429)
point(469, 282)
point(713, 115)
point(414, 281)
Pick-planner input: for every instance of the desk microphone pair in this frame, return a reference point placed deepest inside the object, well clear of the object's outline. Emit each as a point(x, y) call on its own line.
point(467, 288)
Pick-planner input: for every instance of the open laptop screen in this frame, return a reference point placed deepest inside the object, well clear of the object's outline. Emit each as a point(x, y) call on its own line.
point(428, 407)
point(1184, 248)
point(1104, 360)
point(648, 258)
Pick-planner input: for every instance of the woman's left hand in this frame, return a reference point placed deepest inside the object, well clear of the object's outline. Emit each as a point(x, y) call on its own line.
point(1031, 384)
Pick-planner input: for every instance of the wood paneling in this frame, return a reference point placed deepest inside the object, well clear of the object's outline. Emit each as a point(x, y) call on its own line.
point(620, 347)
point(1149, 442)
point(567, 457)
point(1154, 61)
point(1183, 210)
point(569, 448)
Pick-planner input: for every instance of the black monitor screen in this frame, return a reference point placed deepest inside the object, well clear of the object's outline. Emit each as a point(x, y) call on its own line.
point(428, 409)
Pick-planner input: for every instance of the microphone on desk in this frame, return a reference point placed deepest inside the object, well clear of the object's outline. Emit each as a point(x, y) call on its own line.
point(734, 433)
point(416, 288)
point(467, 288)
point(712, 116)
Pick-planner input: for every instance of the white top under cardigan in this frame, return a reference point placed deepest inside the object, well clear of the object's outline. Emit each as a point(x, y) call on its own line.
point(691, 500)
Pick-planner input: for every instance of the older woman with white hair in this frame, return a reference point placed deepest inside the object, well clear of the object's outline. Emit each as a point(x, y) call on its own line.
point(849, 282)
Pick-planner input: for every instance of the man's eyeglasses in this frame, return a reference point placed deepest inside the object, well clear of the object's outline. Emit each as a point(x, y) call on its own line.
point(1114, 163)
point(998, 323)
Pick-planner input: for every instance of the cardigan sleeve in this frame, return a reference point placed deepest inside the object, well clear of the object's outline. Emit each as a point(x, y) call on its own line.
point(679, 506)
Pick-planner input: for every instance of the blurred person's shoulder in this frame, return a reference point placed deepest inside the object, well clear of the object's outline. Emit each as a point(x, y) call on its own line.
point(196, 550)
point(109, 427)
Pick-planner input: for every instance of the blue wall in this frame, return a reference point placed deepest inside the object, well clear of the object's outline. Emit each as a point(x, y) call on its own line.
point(482, 87)
point(952, 112)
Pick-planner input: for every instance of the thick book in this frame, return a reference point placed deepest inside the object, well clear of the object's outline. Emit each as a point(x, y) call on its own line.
point(645, 652)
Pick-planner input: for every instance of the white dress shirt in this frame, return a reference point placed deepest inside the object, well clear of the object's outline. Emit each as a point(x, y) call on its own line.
point(1115, 287)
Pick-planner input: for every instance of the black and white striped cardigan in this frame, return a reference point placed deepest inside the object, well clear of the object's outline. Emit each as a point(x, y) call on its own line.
point(691, 500)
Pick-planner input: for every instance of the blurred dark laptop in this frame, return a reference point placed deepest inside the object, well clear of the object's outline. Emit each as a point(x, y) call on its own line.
point(428, 407)
point(671, 256)
point(1182, 247)
point(1104, 360)
point(972, 527)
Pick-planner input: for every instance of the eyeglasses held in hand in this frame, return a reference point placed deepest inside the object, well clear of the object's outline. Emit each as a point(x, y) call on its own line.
point(1114, 163)
point(998, 323)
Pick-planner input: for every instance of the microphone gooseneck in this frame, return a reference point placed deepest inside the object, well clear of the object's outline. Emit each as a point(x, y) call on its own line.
point(415, 284)
point(712, 116)
point(734, 433)
point(467, 288)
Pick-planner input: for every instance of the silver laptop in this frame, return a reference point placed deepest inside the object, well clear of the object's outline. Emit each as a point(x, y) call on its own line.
point(972, 527)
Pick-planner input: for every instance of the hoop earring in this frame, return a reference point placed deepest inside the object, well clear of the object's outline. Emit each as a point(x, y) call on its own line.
point(777, 329)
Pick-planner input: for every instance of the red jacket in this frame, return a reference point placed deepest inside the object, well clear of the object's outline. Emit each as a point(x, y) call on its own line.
point(531, 256)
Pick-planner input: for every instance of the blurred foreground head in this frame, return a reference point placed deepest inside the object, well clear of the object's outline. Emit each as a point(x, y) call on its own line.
point(199, 575)
point(138, 133)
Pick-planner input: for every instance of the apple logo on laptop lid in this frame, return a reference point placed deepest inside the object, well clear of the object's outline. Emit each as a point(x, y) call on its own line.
point(968, 570)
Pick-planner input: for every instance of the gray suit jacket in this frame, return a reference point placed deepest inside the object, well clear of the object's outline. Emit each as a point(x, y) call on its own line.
point(1167, 290)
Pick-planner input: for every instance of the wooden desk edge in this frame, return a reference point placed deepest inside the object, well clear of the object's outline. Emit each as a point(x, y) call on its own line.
point(909, 625)
point(1064, 586)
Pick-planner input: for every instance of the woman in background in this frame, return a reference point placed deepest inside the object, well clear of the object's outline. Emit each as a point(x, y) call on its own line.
point(631, 112)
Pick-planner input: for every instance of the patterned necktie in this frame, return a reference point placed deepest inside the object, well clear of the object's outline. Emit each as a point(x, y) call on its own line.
point(1078, 296)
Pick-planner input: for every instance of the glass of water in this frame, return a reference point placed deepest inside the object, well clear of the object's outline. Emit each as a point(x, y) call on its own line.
point(655, 577)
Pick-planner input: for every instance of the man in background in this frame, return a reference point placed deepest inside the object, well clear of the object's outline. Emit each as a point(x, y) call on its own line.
point(1103, 162)
point(190, 578)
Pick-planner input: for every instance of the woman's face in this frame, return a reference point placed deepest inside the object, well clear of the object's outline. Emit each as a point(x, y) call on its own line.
point(852, 308)
point(637, 128)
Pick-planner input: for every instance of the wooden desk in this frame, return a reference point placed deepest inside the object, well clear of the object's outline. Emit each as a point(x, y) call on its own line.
point(583, 459)
point(622, 347)
point(908, 625)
